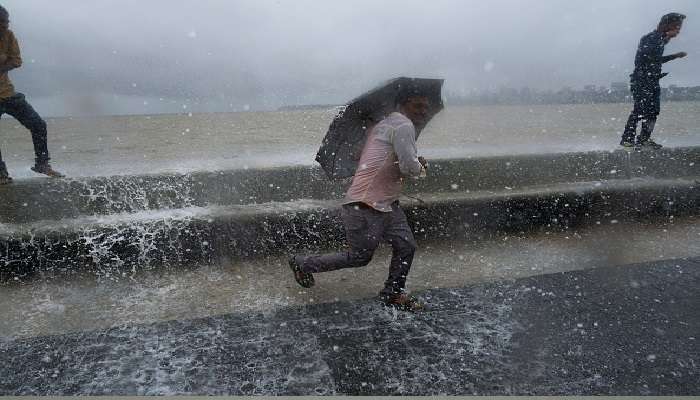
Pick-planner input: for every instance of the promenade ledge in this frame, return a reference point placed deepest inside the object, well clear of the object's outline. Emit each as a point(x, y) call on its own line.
point(130, 222)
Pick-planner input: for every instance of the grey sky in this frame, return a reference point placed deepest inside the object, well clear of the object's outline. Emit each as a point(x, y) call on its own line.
point(108, 57)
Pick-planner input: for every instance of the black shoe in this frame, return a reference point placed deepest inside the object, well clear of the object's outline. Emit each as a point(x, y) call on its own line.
point(47, 170)
point(650, 144)
point(627, 145)
point(304, 279)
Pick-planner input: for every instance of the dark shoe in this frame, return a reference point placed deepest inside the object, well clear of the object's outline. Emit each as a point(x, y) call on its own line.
point(650, 144)
point(304, 279)
point(627, 145)
point(402, 302)
point(47, 170)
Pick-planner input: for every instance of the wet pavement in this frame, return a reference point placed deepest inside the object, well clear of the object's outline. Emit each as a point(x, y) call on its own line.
point(630, 330)
point(57, 303)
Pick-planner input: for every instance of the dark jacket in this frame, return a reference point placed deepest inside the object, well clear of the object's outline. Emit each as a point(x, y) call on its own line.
point(649, 59)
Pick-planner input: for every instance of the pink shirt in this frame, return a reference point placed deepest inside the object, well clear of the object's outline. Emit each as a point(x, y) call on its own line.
point(389, 155)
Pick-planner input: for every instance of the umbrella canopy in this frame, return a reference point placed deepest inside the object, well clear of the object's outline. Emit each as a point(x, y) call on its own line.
point(341, 148)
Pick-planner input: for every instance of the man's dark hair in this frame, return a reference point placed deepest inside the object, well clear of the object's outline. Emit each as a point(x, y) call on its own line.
point(4, 13)
point(670, 21)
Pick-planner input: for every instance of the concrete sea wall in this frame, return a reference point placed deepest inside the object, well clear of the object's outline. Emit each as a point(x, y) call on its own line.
point(114, 225)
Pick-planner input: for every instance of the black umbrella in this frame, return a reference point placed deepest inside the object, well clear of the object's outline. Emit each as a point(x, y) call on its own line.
point(341, 148)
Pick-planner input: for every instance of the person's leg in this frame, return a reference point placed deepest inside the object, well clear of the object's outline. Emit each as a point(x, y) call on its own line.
point(403, 245)
point(364, 228)
point(631, 127)
point(18, 107)
point(4, 174)
point(647, 129)
point(3, 167)
point(652, 108)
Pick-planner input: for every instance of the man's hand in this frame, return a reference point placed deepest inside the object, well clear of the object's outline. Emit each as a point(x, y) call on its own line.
point(681, 54)
point(423, 162)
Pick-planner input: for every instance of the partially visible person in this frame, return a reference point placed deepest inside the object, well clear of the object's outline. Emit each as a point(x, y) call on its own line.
point(644, 84)
point(16, 105)
point(371, 212)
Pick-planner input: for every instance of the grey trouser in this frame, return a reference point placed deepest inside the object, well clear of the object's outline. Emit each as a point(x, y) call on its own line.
point(365, 227)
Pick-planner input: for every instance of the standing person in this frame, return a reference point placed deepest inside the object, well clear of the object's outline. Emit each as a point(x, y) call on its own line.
point(371, 211)
point(15, 104)
point(645, 86)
